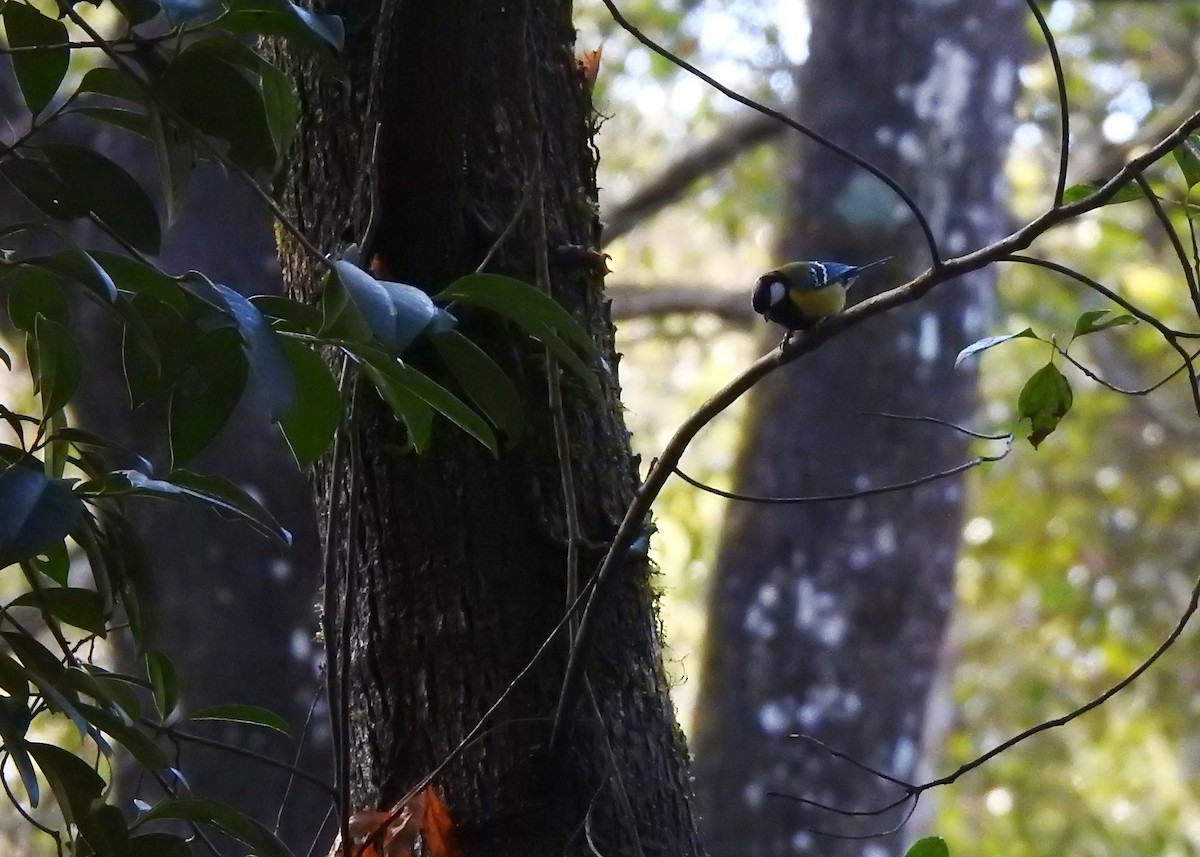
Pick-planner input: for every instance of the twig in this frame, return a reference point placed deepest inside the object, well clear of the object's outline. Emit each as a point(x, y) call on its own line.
point(1060, 83)
point(738, 136)
point(818, 138)
point(865, 492)
point(1181, 254)
point(805, 342)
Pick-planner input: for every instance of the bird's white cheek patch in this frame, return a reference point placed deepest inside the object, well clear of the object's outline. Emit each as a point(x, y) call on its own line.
point(777, 293)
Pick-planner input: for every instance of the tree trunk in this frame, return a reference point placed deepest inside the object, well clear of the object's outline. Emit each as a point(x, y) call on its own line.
point(456, 561)
point(827, 619)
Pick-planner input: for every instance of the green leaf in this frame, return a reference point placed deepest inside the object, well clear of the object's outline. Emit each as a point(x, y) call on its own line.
point(1090, 322)
point(156, 845)
point(113, 82)
point(398, 376)
point(519, 302)
point(13, 678)
point(207, 394)
point(930, 846)
point(180, 12)
point(36, 513)
point(280, 106)
point(484, 382)
point(56, 565)
point(74, 783)
point(1126, 193)
point(79, 608)
point(56, 363)
point(130, 275)
point(991, 342)
point(321, 33)
point(39, 73)
point(289, 315)
point(33, 291)
point(14, 721)
point(223, 817)
point(220, 99)
point(135, 741)
point(407, 407)
point(37, 182)
point(240, 713)
point(163, 682)
point(109, 192)
point(118, 117)
point(80, 266)
point(176, 155)
point(1187, 156)
point(263, 352)
point(310, 424)
point(137, 11)
point(184, 486)
point(1044, 401)
point(395, 313)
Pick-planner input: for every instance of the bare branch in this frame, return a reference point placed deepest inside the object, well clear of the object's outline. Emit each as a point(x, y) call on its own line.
point(630, 302)
point(743, 133)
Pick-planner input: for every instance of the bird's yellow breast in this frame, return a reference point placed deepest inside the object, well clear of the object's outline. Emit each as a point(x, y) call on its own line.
point(818, 303)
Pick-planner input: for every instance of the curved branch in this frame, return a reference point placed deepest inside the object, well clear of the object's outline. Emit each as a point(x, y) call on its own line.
point(738, 136)
point(818, 138)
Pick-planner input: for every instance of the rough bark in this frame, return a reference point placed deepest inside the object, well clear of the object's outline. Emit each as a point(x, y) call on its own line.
point(828, 619)
point(456, 561)
point(236, 612)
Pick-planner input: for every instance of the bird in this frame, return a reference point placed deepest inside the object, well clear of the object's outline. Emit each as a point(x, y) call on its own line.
point(799, 294)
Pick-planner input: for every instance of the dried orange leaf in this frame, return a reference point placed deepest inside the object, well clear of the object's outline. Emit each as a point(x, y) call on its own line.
point(438, 828)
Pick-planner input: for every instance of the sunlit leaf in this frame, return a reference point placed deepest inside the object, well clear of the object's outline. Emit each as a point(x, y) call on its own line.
point(39, 73)
point(1044, 401)
point(1090, 322)
point(930, 846)
point(991, 342)
point(1126, 193)
point(1187, 156)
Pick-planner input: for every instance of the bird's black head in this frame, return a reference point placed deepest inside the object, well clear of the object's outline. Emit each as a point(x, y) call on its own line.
point(769, 290)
